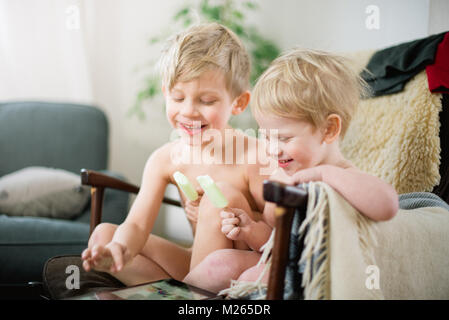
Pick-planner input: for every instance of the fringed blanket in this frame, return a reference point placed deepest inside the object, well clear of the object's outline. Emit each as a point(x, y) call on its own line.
point(348, 256)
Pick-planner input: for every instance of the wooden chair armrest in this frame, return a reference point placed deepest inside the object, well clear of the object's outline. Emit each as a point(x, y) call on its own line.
point(98, 182)
point(287, 199)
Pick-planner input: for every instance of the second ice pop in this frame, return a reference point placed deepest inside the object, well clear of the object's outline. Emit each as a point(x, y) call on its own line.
point(212, 191)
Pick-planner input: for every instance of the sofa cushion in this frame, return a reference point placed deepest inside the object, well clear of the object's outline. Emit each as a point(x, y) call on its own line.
point(43, 192)
point(27, 242)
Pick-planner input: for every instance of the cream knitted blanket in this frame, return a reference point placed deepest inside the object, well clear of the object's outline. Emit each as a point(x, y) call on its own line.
point(404, 258)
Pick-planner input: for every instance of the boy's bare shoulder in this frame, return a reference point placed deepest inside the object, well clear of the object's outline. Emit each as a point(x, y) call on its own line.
point(160, 153)
point(161, 157)
point(348, 165)
point(350, 168)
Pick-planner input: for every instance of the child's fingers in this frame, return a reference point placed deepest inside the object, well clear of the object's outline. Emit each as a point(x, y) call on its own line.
point(242, 216)
point(103, 264)
point(281, 176)
point(86, 254)
point(117, 256)
point(233, 234)
point(226, 214)
point(190, 210)
point(190, 204)
point(227, 229)
point(86, 265)
point(238, 212)
point(230, 221)
point(192, 216)
point(97, 251)
point(101, 258)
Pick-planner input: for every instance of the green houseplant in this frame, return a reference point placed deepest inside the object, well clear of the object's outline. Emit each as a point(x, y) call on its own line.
point(230, 13)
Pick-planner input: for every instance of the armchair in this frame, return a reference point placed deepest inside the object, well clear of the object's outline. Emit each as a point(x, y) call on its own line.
point(57, 135)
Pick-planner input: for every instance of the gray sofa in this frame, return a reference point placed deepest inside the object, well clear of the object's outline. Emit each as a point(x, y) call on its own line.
point(56, 135)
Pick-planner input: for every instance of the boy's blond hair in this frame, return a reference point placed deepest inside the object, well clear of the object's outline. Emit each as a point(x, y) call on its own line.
point(204, 47)
point(309, 85)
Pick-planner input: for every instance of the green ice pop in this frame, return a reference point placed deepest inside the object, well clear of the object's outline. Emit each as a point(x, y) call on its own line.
point(184, 184)
point(215, 196)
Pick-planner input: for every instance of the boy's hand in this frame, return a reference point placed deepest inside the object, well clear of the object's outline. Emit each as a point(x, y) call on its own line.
point(233, 221)
point(110, 258)
point(305, 175)
point(191, 207)
point(309, 174)
point(281, 176)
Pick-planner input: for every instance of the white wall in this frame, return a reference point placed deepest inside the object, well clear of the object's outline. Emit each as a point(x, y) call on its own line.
point(119, 51)
point(120, 59)
point(116, 33)
point(118, 46)
point(40, 57)
point(438, 16)
point(340, 25)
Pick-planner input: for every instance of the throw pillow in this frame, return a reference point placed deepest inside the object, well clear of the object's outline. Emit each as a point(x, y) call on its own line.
point(42, 192)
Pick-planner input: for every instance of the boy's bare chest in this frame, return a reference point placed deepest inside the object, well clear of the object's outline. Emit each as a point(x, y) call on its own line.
point(232, 174)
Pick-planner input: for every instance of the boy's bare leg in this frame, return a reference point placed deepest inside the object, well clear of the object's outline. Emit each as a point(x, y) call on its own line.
point(253, 273)
point(217, 270)
point(159, 259)
point(140, 270)
point(208, 236)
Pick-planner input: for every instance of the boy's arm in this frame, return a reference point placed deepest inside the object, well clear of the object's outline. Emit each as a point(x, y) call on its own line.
point(238, 225)
point(256, 234)
point(260, 231)
point(134, 231)
point(370, 195)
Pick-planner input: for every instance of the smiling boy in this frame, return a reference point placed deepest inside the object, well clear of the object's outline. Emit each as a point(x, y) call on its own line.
point(205, 79)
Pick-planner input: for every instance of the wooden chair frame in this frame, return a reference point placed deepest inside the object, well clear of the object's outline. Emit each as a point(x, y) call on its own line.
point(287, 198)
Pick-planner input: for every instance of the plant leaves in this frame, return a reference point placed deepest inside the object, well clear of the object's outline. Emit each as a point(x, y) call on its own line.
point(181, 13)
point(231, 14)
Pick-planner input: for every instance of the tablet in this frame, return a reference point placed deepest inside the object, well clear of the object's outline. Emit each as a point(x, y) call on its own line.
point(167, 289)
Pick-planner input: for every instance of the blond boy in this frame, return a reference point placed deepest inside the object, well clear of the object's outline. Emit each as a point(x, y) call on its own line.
point(205, 79)
point(307, 98)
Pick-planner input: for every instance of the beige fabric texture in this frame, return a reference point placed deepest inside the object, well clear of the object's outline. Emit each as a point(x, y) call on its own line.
point(409, 253)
